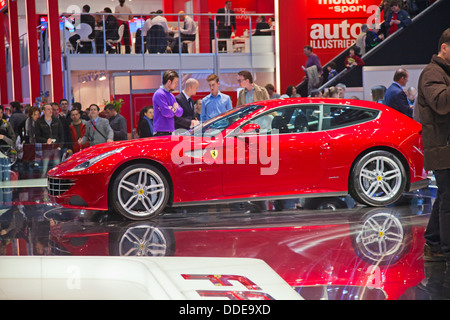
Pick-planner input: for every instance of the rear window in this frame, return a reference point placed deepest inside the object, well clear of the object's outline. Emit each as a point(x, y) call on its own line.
point(343, 116)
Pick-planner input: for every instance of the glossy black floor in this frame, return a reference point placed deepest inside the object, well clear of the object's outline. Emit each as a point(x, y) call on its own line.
point(340, 252)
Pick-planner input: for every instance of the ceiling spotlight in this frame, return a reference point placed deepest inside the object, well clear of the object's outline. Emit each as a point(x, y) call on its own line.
point(102, 76)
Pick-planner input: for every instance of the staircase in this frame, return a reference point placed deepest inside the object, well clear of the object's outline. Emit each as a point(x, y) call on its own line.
point(414, 44)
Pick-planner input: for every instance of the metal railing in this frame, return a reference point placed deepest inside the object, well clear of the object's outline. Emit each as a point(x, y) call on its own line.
point(105, 33)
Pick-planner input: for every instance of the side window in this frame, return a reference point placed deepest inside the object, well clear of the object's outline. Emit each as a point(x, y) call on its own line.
point(292, 119)
point(343, 116)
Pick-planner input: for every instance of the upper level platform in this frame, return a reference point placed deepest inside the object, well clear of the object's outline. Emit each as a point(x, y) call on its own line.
point(243, 49)
point(191, 61)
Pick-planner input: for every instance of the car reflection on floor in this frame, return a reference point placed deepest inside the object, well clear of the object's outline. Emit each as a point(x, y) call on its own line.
point(367, 253)
point(352, 253)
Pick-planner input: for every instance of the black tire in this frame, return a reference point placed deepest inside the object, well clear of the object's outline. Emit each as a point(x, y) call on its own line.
point(377, 179)
point(139, 192)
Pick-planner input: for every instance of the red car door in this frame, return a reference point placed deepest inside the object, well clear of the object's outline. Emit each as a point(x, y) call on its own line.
point(286, 157)
point(196, 175)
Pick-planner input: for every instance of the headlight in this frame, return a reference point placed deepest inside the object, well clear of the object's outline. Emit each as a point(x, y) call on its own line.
point(96, 159)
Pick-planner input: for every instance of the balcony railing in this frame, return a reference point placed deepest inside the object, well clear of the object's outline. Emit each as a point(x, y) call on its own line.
point(105, 33)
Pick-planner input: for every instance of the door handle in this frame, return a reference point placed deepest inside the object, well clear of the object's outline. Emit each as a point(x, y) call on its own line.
point(325, 146)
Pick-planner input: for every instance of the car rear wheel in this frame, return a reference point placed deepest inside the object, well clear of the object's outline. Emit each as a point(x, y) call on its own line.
point(378, 179)
point(140, 192)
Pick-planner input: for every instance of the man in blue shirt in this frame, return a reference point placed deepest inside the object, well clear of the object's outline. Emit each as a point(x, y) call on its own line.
point(395, 96)
point(216, 102)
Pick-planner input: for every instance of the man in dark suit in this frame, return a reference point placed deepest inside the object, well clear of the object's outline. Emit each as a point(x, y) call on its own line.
point(395, 96)
point(187, 120)
point(225, 24)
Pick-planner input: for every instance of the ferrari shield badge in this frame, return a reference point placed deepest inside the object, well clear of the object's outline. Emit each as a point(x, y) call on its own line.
point(214, 154)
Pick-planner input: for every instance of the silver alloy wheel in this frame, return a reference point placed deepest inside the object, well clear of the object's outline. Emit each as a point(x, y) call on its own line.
point(143, 240)
point(380, 178)
point(141, 192)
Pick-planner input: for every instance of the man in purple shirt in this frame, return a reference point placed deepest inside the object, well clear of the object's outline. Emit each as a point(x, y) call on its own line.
point(165, 106)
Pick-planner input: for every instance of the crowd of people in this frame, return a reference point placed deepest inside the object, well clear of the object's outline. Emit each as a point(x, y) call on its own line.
point(392, 16)
point(55, 131)
point(111, 30)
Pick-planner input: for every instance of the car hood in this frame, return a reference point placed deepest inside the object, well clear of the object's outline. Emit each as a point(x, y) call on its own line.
point(154, 147)
point(153, 142)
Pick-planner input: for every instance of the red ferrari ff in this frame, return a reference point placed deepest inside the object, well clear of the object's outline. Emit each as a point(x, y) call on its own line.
point(276, 149)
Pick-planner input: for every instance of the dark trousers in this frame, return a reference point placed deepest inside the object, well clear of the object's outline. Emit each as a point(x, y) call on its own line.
point(437, 234)
point(87, 46)
point(126, 39)
point(224, 33)
point(184, 37)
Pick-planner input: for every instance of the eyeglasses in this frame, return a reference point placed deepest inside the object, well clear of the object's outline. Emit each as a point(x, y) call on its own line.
point(240, 80)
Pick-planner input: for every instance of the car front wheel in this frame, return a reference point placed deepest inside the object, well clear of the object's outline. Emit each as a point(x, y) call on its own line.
point(140, 192)
point(378, 179)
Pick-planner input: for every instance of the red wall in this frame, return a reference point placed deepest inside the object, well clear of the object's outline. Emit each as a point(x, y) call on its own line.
point(292, 25)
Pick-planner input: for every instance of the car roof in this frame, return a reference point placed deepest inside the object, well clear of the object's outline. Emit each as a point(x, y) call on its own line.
point(349, 102)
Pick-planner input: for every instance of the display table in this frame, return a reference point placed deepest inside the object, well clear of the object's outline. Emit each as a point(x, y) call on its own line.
point(237, 44)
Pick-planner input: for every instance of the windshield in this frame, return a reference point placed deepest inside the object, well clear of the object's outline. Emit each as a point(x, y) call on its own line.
point(216, 125)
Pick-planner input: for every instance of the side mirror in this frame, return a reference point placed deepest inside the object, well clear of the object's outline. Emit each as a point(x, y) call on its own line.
point(250, 128)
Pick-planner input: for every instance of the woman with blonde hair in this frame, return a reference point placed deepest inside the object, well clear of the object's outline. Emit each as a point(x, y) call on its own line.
point(331, 92)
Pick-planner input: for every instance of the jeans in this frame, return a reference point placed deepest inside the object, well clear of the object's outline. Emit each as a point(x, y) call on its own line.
point(437, 234)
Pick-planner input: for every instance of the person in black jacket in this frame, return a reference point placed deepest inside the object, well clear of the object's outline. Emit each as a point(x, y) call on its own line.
point(187, 120)
point(117, 122)
point(17, 118)
point(85, 17)
point(261, 24)
point(111, 28)
point(64, 118)
point(48, 132)
point(145, 126)
point(49, 129)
